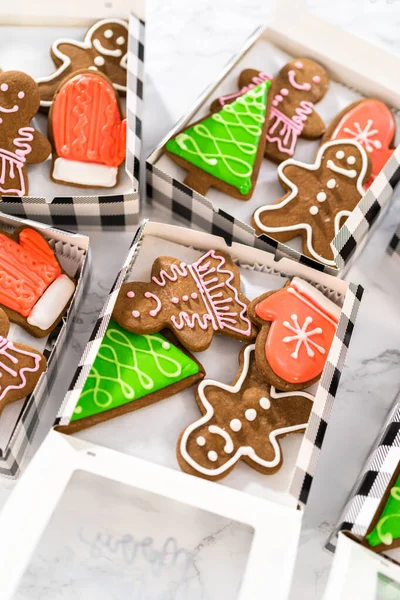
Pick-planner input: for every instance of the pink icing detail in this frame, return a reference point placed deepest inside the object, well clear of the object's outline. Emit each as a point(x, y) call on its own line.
point(191, 320)
point(1, 120)
point(131, 294)
point(298, 86)
point(275, 102)
point(136, 314)
point(3, 87)
point(316, 79)
point(154, 312)
point(194, 296)
point(174, 300)
point(256, 80)
point(279, 98)
point(286, 136)
point(11, 164)
point(298, 65)
point(284, 91)
point(176, 271)
point(185, 298)
point(21, 95)
point(5, 347)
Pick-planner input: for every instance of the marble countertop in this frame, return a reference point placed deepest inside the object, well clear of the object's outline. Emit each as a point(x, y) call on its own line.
point(187, 45)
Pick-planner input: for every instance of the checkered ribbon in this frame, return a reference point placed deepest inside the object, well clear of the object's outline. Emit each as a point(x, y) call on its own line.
point(394, 246)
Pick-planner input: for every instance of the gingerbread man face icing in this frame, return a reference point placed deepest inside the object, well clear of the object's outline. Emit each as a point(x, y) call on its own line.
point(194, 301)
point(320, 198)
point(298, 324)
point(20, 366)
point(371, 123)
point(20, 144)
point(104, 49)
point(242, 421)
point(298, 86)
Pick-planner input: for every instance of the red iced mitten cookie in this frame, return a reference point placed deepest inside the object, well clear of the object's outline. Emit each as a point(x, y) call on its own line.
point(194, 301)
point(371, 123)
point(298, 324)
point(242, 421)
point(88, 133)
point(34, 291)
point(104, 49)
point(20, 144)
point(20, 366)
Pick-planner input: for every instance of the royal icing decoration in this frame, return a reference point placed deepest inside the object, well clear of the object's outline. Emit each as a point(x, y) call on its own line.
point(104, 48)
point(211, 302)
point(318, 218)
point(303, 325)
point(387, 528)
point(89, 135)
point(255, 81)
point(241, 421)
point(129, 367)
point(372, 124)
point(226, 143)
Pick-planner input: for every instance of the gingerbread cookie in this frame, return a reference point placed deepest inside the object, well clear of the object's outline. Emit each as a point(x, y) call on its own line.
point(241, 421)
point(34, 290)
point(225, 149)
point(384, 530)
point(297, 87)
point(298, 324)
point(87, 131)
point(194, 301)
point(104, 49)
point(256, 80)
point(130, 372)
point(20, 366)
point(320, 198)
point(371, 123)
point(20, 144)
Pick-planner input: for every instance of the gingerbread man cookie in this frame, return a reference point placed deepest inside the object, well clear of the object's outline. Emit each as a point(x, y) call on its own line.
point(298, 324)
point(20, 144)
point(20, 366)
point(88, 132)
point(320, 198)
point(194, 301)
point(371, 123)
point(241, 421)
point(104, 49)
point(298, 86)
point(34, 290)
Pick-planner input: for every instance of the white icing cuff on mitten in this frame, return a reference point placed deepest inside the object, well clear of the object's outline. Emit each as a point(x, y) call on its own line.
point(84, 173)
point(53, 302)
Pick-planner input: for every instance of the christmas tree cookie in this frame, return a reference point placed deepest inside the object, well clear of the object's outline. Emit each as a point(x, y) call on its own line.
point(131, 371)
point(225, 149)
point(384, 532)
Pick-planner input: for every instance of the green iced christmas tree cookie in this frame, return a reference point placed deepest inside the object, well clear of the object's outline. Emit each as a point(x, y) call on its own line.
point(225, 149)
point(387, 528)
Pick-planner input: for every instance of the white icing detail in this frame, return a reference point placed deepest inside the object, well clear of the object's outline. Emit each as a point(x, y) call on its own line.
point(53, 302)
point(318, 300)
point(340, 154)
point(331, 183)
point(99, 61)
point(201, 441)
point(108, 33)
point(294, 191)
point(351, 160)
point(224, 434)
point(364, 135)
point(243, 450)
point(321, 196)
point(351, 173)
point(87, 43)
point(276, 395)
point(120, 40)
point(250, 414)
point(83, 173)
point(212, 455)
point(98, 46)
point(235, 425)
point(302, 336)
point(314, 210)
point(265, 403)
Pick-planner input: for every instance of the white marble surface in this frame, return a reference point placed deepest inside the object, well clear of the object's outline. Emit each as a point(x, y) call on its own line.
point(187, 45)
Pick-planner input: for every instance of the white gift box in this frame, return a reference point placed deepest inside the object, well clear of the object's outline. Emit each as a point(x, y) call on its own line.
point(137, 449)
point(355, 69)
point(27, 35)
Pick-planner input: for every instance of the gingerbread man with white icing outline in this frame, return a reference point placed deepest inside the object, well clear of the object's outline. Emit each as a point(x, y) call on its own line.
point(320, 197)
point(241, 421)
point(298, 86)
point(105, 48)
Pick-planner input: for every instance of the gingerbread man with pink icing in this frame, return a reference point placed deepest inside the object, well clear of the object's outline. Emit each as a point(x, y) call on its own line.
point(300, 84)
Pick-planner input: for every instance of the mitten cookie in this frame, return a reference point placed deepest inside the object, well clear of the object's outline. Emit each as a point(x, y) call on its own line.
point(34, 290)
point(320, 198)
point(298, 324)
point(194, 301)
point(130, 372)
point(298, 86)
point(87, 131)
point(384, 531)
point(241, 421)
point(20, 144)
point(20, 366)
point(104, 49)
point(225, 149)
point(371, 123)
